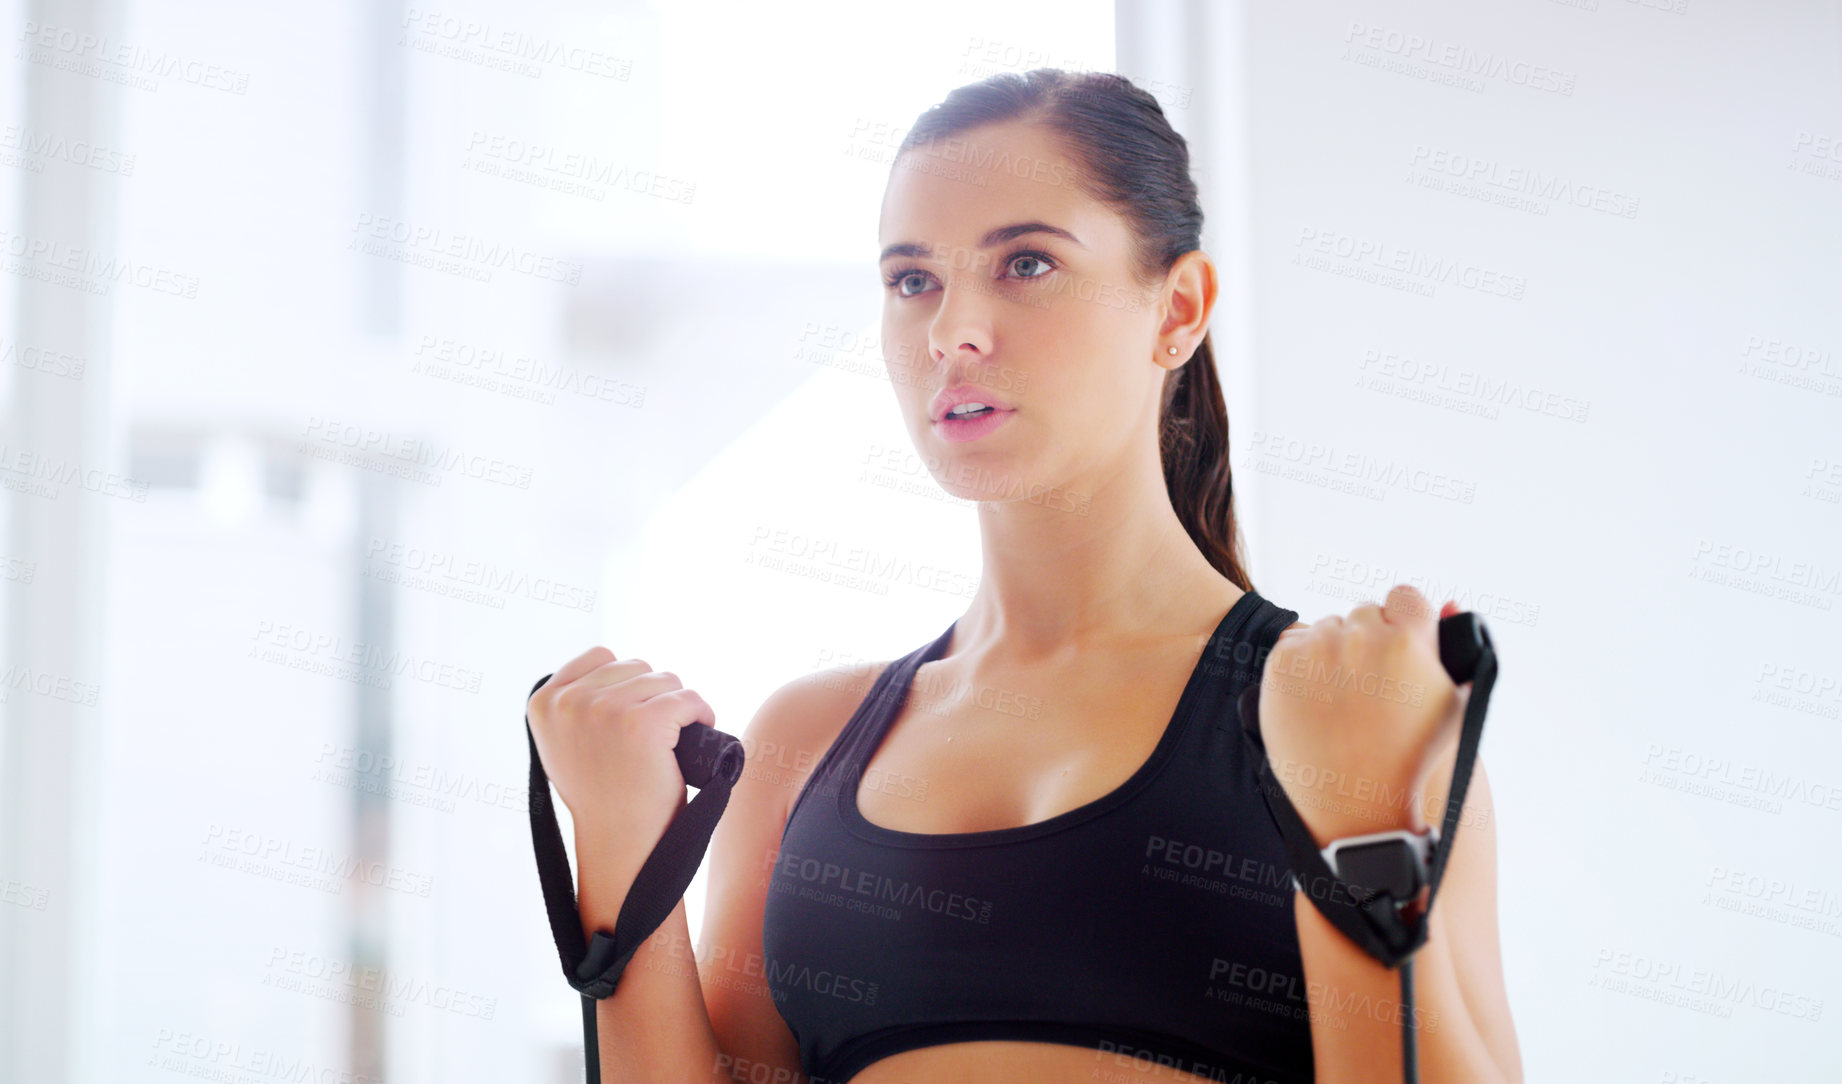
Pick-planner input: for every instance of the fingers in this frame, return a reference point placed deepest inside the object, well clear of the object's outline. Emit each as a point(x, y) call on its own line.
point(1407, 606)
point(581, 664)
point(1406, 610)
point(686, 707)
point(1368, 614)
point(661, 698)
point(582, 676)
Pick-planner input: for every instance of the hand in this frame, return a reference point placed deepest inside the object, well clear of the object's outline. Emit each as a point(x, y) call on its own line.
point(606, 731)
point(1353, 713)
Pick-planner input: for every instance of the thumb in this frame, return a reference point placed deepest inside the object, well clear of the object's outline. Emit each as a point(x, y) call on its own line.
point(1407, 606)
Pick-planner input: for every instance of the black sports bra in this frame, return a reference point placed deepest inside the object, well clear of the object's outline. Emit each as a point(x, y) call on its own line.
point(1154, 922)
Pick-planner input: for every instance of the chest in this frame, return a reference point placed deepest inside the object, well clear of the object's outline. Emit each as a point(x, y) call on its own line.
point(971, 751)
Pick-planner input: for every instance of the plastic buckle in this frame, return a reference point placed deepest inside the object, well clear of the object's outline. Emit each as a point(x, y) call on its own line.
point(1393, 862)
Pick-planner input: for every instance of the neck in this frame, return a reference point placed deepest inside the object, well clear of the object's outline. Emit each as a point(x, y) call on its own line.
point(1058, 582)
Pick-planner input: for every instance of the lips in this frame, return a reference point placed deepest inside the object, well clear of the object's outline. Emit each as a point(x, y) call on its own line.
point(958, 430)
point(964, 393)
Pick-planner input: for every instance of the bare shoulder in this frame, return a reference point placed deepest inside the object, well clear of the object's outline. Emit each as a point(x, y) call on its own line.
point(799, 721)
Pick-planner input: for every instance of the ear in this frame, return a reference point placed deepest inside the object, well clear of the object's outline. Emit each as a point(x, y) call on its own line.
point(1187, 300)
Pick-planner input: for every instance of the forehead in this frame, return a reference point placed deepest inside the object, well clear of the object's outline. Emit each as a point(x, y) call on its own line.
point(950, 191)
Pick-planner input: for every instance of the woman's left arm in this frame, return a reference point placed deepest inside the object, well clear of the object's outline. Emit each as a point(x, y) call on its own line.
point(1360, 722)
point(1464, 1031)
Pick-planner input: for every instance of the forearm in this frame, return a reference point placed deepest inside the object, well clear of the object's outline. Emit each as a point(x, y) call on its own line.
point(1357, 1014)
point(656, 1026)
point(1356, 1008)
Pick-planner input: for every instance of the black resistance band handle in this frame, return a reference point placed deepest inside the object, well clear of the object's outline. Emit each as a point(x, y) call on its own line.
point(1370, 916)
point(709, 760)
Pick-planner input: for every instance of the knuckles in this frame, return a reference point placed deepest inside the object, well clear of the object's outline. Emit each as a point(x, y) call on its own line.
point(574, 704)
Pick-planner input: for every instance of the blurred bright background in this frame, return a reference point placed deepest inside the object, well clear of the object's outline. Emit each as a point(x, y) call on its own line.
point(365, 362)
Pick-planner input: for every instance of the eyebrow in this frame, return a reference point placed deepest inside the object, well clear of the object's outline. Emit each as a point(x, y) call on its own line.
point(992, 238)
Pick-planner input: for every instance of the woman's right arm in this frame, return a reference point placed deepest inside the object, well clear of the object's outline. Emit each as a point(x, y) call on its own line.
point(655, 1026)
point(703, 1012)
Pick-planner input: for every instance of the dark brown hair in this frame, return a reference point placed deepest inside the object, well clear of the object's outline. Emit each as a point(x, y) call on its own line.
point(1128, 156)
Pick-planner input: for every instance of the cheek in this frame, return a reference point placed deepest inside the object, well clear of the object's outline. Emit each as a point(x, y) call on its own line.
point(901, 344)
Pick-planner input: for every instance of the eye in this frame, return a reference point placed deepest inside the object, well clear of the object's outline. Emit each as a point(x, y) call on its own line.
point(1037, 258)
point(896, 278)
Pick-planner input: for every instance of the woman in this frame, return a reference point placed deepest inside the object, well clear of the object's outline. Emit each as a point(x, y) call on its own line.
point(1033, 849)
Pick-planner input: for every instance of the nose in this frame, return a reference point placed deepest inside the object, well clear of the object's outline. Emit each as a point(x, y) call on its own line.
point(961, 328)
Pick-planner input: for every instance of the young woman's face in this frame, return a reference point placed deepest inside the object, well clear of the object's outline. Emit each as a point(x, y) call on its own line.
point(1051, 327)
